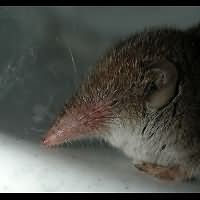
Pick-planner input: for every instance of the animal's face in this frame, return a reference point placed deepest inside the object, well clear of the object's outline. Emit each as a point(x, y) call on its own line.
point(126, 82)
point(78, 121)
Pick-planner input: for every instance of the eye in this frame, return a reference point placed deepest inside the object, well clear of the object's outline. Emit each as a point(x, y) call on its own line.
point(150, 87)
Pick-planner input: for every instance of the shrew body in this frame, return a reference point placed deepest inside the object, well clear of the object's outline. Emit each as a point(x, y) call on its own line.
point(142, 97)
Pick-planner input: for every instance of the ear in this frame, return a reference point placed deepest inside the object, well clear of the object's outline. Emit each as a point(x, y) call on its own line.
point(163, 85)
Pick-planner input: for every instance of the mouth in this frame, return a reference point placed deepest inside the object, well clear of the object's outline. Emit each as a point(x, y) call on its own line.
point(45, 142)
point(57, 137)
point(51, 140)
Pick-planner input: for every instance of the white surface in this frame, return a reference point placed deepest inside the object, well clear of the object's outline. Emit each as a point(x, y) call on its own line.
point(27, 167)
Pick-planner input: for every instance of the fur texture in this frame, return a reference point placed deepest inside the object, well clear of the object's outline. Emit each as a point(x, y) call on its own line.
point(121, 83)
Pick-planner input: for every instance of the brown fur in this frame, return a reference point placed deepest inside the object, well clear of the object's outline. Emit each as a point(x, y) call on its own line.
point(122, 77)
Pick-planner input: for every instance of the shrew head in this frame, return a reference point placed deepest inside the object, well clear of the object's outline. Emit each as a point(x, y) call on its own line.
point(136, 74)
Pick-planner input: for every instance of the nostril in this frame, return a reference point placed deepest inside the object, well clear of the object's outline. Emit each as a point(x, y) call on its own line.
point(44, 141)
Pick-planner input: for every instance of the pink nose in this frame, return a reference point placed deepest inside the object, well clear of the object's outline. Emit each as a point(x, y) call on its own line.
point(45, 141)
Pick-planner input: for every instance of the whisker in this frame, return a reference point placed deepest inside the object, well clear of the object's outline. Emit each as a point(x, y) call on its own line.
point(73, 60)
